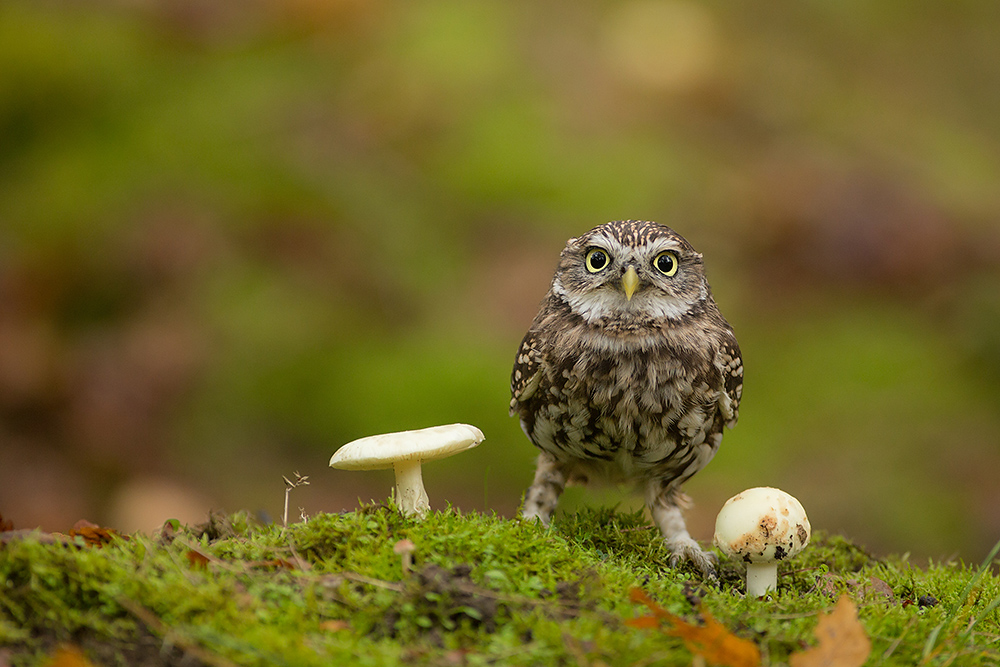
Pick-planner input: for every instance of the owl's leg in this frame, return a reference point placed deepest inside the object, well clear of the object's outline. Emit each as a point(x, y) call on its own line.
point(664, 502)
point(542, 496)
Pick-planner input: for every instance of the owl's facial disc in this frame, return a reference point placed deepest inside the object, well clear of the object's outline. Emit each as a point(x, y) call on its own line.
point(630, 272)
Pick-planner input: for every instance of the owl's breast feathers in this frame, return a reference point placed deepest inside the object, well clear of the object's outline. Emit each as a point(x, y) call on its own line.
point(657, 392)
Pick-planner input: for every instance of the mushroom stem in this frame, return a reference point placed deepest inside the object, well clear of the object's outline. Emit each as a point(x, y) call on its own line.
point(761, 578)
point(410, 493)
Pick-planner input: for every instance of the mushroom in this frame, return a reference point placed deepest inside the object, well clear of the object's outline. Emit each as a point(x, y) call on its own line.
point(762, 526)
point(403, 452)
point(405, 548)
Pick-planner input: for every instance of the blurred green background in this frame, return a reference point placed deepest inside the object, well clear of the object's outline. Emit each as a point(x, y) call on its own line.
point(235, 235)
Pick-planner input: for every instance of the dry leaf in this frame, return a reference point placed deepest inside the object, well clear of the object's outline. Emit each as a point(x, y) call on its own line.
point(168, 531)
point(829, 584)
point(197, 559)
point(92, 534)
point(68, 656)
point(712, 641)
point(877, 589)
point(334, 625)
point(644, 622)
point(874, 589)
point(274, 563)
point(842, 640)
point(5, 525)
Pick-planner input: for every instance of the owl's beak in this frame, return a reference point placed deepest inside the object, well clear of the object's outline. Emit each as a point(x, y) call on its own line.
point(630, 282)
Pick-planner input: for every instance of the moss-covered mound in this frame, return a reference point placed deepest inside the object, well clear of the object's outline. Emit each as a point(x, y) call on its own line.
point(475, 589)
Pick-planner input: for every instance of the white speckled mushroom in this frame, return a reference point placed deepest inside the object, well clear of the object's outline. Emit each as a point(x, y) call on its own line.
point(404, 452)
point(762, 526)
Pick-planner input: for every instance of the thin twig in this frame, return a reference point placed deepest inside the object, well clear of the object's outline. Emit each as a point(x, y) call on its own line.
point(300, 480)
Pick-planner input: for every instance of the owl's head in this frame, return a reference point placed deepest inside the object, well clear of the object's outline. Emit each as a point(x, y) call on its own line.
point(631, 270)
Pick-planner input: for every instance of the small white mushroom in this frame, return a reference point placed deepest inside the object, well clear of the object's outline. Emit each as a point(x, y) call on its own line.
point(762, 526)
point(403, 452)
point(405, 548)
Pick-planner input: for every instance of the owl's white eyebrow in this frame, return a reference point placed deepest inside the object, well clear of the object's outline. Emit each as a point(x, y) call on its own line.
point(607, 243)
point(665, 244)
point(600, 242)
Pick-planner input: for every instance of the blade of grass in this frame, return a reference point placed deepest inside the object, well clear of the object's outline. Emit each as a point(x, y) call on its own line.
point(960, 604)
point(983, 614)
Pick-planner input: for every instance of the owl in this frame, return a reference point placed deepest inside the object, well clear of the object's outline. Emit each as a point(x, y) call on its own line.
point(628, 374)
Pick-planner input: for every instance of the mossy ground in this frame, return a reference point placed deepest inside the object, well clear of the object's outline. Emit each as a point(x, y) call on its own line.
point(482, 590)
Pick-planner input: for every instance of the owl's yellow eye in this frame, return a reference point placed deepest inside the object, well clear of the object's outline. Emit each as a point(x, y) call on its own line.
point(666, 263)
point(597, 260)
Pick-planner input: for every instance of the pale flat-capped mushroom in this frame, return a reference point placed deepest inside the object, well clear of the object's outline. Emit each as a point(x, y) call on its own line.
point(762, 526)
point(405, 549)
point(404, 452)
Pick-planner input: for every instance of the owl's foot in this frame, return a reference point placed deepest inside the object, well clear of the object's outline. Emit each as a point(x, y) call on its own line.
point(533, 514)
point(686, 549)
point(664, 505)
point(540, 502)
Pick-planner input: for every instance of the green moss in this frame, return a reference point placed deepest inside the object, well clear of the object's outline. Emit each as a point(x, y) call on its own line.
point(493, 589)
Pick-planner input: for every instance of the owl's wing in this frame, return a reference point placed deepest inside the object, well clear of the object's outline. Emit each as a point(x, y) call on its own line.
point(730, 363)
point(525, 376)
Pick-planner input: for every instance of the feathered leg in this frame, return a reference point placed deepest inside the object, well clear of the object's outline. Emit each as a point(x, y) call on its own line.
point(664, 502)
point(542, 496)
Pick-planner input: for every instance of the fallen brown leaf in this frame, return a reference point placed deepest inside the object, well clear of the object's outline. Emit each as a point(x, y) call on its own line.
point(92, 534)
point(168, 531)
point(872, 590)
point(274, 563)
point(68, 656)
point(334, 625)
point(842, 640)
point(829, 584)
point(877, 589)
point(197, 559)
point(712, 641)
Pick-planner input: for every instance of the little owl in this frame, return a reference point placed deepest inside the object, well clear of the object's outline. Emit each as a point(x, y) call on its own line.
point(627, 374)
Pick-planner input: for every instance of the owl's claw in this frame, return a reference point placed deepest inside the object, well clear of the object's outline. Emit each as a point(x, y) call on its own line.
point(688, 550)
point(534, 514)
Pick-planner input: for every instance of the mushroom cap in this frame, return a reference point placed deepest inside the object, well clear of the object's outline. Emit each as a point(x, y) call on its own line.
point(403, 546)
point(761, 525)
point(382, 451)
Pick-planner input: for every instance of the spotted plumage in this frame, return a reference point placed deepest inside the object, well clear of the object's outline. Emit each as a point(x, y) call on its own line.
point(628, 373)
